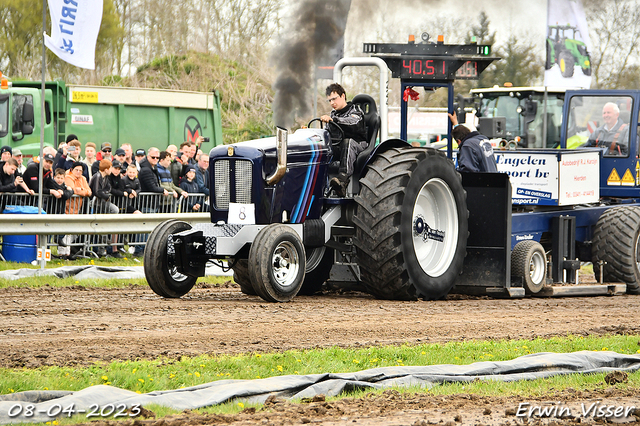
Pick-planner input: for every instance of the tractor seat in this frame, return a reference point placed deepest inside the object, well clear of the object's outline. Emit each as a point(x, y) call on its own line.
point(372, 122)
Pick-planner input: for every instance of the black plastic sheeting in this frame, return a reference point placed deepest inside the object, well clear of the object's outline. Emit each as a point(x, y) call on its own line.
point(98, 398)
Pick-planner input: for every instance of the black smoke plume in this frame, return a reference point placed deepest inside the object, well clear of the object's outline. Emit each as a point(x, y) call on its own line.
point(316, 28)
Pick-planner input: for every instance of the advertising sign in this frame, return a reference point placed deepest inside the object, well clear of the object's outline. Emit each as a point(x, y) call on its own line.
point(533, 176)
point(551, 179)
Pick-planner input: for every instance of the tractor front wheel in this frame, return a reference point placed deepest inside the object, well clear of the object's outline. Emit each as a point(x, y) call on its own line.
point(277, 263)
point(159, 261)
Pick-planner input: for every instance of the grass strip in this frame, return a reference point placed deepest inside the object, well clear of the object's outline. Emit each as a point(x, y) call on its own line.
point(160, 374)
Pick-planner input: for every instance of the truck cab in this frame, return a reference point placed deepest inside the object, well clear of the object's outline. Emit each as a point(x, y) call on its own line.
point(586, 116)
point(522, 112)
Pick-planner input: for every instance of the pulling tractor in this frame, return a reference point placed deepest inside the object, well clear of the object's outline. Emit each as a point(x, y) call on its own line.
point(411, 226)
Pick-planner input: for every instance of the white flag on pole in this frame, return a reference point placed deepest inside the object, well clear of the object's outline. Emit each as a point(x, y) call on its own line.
point(568, 45)
point(74, 30)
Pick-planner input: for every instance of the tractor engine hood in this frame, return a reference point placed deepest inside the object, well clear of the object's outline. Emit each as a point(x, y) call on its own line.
point(275, 182)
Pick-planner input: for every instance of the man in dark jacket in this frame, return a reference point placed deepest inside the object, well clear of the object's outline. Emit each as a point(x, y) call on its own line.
point(32, 172)
point(150, 179)
point(350, 118)
point(475, 153)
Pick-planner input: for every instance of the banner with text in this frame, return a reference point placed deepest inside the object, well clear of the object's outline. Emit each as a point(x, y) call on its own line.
point(568, 61)
point(74, 31)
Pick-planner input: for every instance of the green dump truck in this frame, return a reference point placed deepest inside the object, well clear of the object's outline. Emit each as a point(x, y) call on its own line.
point(141, 117)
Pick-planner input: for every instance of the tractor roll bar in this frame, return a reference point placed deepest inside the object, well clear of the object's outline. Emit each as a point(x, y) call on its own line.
point(384, 85)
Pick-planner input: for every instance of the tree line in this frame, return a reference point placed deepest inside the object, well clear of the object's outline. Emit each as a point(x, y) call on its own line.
point(160, 43)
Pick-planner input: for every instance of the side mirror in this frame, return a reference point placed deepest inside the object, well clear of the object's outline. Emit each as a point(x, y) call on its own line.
point(27, 118)
point(27, 112)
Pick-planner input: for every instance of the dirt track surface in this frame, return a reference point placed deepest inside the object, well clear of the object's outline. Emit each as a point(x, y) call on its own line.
point(79, 326)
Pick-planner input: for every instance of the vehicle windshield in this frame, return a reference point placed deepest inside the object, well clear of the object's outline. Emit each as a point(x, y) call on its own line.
point(529, 127)
point(4, 115)
point(600, 121)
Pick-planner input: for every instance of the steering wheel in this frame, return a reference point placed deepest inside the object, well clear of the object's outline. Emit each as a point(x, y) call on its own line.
point(335, 140)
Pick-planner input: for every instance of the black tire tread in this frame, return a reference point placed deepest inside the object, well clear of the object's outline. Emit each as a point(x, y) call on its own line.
point(155, 261)
point(614, 242)
point(378, 221)
point(241, 277)
point(520, 258)
point(259, 271)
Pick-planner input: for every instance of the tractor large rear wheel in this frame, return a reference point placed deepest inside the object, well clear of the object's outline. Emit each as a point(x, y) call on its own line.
point(567, 63)
point(411, 224)
point(159, 262)
point(616, 243)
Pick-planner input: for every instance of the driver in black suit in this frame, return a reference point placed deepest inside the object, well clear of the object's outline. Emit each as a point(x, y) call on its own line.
point(350, 118)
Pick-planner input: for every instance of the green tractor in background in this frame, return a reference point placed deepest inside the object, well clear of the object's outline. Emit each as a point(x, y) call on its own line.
point(565, 51)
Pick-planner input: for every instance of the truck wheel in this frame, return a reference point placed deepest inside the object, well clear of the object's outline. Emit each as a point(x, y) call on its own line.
point(318, 270)
point(241, 277)
point(529, 265)
point(277, 263)
point(411, 224)
point(616, 241)
point(159, 262)
point(566, 62)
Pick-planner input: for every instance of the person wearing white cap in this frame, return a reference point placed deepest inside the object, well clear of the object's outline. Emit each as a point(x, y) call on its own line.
point(17, 154)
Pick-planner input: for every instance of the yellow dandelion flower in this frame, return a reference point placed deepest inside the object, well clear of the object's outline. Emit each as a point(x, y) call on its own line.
point(46, 388)
point(47, 423)
point(258, 356)
point(280, 368)
point(240, 405)
point(196, 374)
point(171, 376)
point(107, 383)
point(424, 353)
point(12, 391)
point(134, 371)
point(55, 422)
point(202, 365)
point(105, 378)
point(605, 349)
point(295, 372)
point(141, 380)
point(189, 374)
point(138, 391)
point(92, 262)
point(257, 377)
point(151, 380)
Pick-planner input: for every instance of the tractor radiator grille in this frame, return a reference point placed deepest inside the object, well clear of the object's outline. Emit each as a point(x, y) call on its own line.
point(226, 173)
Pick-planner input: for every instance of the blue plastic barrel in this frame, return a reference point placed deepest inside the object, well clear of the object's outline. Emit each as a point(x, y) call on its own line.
point(20, 248)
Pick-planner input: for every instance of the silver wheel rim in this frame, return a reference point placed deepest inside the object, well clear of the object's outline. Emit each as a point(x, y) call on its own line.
point(285, 263)
point(314, 257)
point(536, 268)
point(435, 227)
point(637, 252)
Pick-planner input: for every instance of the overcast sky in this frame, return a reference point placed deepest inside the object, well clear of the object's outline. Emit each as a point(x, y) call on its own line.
point(519, 17)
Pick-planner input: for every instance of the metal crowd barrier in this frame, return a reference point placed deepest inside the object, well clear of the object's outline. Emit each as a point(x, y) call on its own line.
point(94, 227)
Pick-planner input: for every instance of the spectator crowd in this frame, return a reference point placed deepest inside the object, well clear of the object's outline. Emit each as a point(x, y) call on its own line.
point(108, 181)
